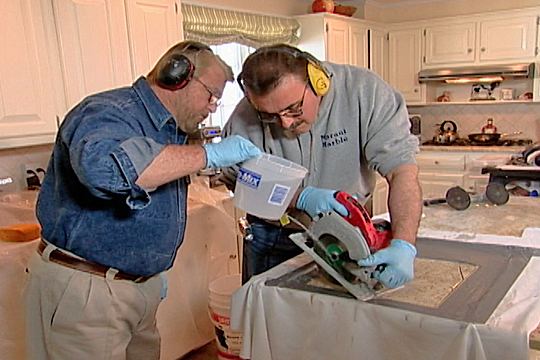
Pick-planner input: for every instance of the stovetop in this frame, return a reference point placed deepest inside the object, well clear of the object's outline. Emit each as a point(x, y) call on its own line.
point(467, 142)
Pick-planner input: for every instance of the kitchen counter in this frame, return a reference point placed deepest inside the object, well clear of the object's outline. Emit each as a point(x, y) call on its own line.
point(510, 219)
point(479, 148)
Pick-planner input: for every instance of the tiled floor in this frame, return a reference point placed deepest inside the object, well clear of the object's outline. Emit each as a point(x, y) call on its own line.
point(207, 352)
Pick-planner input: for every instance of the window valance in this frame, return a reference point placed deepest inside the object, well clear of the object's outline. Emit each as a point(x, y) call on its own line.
point(214, 26)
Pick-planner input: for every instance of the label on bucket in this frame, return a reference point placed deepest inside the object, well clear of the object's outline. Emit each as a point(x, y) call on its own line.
point(278, 195)
point(249, 178)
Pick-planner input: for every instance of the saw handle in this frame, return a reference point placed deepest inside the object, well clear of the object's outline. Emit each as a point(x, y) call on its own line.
point(377, 234)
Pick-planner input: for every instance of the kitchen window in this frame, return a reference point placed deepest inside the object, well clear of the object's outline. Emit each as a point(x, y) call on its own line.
point(233, 54)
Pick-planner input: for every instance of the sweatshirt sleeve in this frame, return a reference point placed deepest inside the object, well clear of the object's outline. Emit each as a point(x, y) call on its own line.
point(388, 141)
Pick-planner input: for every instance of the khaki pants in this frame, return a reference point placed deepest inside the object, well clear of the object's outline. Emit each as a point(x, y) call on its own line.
point(76, 315)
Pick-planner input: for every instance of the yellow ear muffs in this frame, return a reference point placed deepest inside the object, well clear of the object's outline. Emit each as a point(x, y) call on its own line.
point(318, 79)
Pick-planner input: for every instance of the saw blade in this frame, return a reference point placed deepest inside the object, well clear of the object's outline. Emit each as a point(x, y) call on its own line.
point(359, 290)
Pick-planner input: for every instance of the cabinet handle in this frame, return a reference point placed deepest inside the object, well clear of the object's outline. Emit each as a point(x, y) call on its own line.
point(415, 90)
point(469, 50)
point(483, 49)
point(436, 162)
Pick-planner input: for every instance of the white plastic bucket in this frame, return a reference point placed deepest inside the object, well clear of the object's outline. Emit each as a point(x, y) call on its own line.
point(228, 341)
point(266, 185)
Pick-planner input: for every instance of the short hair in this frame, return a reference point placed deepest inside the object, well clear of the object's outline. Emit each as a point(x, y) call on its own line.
point(198, 53)
point(264, 70)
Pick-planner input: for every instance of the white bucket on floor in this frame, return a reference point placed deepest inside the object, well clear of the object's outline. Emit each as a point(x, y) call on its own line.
point(228, 341)
point(265, 185)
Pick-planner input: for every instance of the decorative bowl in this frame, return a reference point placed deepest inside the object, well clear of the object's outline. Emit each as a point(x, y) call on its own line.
point(344, 10)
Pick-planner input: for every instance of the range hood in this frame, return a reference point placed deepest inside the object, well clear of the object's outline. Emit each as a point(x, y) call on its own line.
point(484, 73)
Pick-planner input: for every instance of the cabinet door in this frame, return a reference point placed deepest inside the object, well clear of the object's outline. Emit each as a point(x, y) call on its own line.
point(152, 26)
point(404, 63)
point(380, 197)
point(378, 53)
point(95, 48)
point(358, 40)
point(435, 185)
point(29, 79)
point(337, 41)
point(512, 38)
point(450, 43)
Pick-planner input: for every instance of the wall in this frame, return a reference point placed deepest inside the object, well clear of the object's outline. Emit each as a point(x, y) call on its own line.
point(507, 118)
point(439, 9)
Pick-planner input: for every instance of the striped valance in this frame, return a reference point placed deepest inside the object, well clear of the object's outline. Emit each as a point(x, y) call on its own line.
point(219, 26)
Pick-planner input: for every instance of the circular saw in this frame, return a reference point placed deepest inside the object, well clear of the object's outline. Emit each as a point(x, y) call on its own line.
point(339, 242)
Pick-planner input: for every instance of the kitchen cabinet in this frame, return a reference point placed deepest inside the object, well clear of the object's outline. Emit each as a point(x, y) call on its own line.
point(30, 85)
point(441, 170)
point(450, 43)
point(404, 61)
point(378, 54)
point(495, 39)
point(109, 43)
point(56, 52)
point(379, 201)
point(342, 40)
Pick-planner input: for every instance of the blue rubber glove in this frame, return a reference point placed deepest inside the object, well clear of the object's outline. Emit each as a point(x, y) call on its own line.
point(399, 261)
point(229, 152)
point(314, 201)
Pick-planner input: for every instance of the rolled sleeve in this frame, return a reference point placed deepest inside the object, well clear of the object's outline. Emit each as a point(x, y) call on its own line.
point(132, 157)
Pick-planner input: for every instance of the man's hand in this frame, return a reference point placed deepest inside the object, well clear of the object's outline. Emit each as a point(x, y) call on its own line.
point(229, 152)
point(398, 262)
point(314, 201)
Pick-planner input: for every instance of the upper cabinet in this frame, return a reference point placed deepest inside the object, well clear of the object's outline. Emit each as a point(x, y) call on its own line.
point(340, 40)
point(450, 43)
point(153, 27)
point(512, 38)
point(404, 61)
point(56, 52)
point(109, 43)
point(494, 39)
point(29, 73)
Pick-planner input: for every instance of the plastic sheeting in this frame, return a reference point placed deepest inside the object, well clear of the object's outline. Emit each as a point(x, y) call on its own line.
point(16, 207)
point(281, 324)
point(209, 251)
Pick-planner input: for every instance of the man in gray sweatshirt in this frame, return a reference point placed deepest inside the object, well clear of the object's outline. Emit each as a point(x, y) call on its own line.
point(342, 123)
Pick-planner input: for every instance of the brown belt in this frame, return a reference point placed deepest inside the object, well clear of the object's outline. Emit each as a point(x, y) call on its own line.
point(60, 257)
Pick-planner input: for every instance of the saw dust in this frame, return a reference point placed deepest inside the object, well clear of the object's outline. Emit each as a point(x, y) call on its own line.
point(434, 281)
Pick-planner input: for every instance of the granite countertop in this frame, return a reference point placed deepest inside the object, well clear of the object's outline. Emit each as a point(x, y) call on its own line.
point(512, 149)
point(510, 219)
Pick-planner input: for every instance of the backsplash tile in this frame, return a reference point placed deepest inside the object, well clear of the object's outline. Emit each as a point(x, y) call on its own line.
point(11, 161)
point(470, 118)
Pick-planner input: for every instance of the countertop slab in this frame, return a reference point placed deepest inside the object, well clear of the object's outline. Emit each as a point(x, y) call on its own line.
point(510, 219)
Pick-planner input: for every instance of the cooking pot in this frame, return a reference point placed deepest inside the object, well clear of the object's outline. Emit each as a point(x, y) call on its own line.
point(447, 133)
point(482, 138)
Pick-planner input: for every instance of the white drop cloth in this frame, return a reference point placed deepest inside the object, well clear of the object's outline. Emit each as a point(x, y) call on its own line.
point(281, 324)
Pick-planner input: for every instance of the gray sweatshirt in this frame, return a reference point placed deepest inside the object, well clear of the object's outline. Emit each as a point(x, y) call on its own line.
point(362, 126)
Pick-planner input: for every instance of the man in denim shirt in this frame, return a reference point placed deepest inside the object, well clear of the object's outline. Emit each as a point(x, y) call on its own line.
point(113, 208)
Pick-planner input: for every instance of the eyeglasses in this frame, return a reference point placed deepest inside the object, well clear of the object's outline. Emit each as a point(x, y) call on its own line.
point(214, 99)
point(295, 110)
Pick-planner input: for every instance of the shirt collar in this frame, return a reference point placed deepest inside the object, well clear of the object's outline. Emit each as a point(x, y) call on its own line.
point(156, 111)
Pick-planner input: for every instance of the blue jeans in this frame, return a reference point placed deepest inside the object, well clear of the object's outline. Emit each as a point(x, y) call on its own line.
point(269, 247)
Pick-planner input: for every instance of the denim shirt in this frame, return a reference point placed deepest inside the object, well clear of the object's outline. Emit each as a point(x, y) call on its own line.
point(89, 203)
